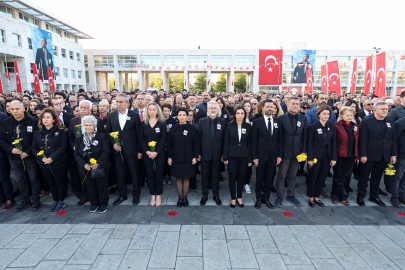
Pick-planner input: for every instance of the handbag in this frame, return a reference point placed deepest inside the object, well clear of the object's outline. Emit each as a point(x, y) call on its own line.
point(98, 173)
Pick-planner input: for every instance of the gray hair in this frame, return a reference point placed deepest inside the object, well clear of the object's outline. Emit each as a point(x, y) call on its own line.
point(390, 101)
point(379, 103)
point(73, 97)
point(216, 103)
point(124, 96)
point(19, 101)
point(291, 98)
point(85, 101)
point(90, 118)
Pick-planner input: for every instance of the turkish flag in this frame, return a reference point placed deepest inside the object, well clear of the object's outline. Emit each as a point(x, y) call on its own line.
point(185, 82)
point(160, 67)
point(354, 77)
point(196, 66)
point(268, 68)
point(17, 78)
point(208, 82)
point(8, 75)
point(139, 65)
point(183, 67)
point(146, 66)
point(334, 77)
point(380, 75)
point(36, 80)
point(1, 86)
point(324, 79)
point(309, 81)
point(50, 80)
point(153, 67)
point(367, 76)
point(402, 57)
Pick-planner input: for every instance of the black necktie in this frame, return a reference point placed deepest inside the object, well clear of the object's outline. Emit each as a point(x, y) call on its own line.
point(294, 123)
point(269, 126)
point(212, 129)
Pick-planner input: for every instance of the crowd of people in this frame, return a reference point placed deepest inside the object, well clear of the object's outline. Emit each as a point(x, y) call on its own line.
point(98, 143)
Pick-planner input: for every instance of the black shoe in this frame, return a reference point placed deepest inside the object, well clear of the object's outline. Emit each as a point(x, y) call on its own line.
point(402, 200)
point(135, 200)
point(258, 204)
point(217, 200)
point(350, 189)
point(221, 179)
point(319, 203)
point(329, 174)
point(16, 193)
point(23, 205)
point(300, 173)
point(395, 202)
point(119, 200)
point(185, 203)
point(311, 203)
point(112, 190)
point(273, 189)
point(360, 202)
point(36, 205)
point(204, 200)
point(103, 209)
point(179, 203)
point(232, 205)
point(268, 203)
point(377, 201)
point(241, 205)
point(78, 195)
point(383, 193)
point(93, 208)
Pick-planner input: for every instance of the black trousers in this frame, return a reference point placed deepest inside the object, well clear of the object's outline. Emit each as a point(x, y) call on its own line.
point(342, 173)
point(112, 175)
point(264, 178)
point(83, 186)
point(120, 169)
point(141, 170)
point(6, 187)
point(75, 179)
point(210, 168)
point(237, 167)
point(56, 182)
point(155, 181)
point(43, 181)
point(26, 177)
point(97, 189)
point(248, 175)
point(317, 176)
point(193, 180)
point(376, 168)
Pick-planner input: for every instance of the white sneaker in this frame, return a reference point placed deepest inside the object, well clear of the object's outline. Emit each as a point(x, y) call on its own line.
point(247, 189)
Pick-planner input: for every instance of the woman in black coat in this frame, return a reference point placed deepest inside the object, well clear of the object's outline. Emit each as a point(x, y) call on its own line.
point(321, 145)
point(237, 153)
point(191, 115)
point(89, 147)
point(183, 151)
point(170, 122)
point(51, 139)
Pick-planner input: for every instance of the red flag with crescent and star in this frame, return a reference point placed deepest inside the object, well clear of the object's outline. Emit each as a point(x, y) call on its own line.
point(334, 77)
point(50, 80)
point(354, 77)
point(17, 78)
point(368, 73)
point(269, 67)
point(309, 81)
point(324, 79)
point(380, 75)
point(8, 75)
point(1, 86)
point(36, 79)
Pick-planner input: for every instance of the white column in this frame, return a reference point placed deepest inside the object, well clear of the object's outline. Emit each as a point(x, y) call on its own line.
point(186, 82)
point(140, 80)
point(231, 81)
point(126, 82)
point(163, 79)
point(166, 82)
point(117, 80)
point(209, 79)
point(97, 81)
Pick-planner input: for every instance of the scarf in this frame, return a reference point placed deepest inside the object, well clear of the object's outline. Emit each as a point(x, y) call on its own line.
point(87, 142)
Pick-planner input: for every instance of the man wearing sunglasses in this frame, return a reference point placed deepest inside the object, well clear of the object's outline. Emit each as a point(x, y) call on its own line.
point(367, 109)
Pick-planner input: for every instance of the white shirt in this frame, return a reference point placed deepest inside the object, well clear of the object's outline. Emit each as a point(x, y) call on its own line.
point(368, 113)
point(61, 118)
point(239, 133)
point(143, 114)
point(122, 118)
point(266, 121)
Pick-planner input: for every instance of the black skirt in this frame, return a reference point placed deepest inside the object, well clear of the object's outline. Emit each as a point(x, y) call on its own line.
point(183, 170)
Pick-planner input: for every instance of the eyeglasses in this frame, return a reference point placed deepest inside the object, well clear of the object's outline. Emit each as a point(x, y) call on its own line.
point(306, 108)
point(370, 104)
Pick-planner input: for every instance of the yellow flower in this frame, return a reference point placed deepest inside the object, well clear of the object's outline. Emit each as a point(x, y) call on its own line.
point(152, 144)
point(16, 141)
point(78, 125)
point(315, 160)
point(114, 134)
point(40, 153)
point(301, 158)
point(93, 161)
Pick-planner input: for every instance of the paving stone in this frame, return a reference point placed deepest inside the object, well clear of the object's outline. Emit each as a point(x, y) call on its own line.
point(395, 234)
point(382, 242)
point(329, 236)
point(47, 217)
point(144, 237)
point(241, 254)
point(107, 262)
point(282, 234)
point(57, 231)
point(32, 256)
point(190, 242)
point(213, 232)
point(3, 226)
point(164, 250)
point(326, 215)
point(349, 259)
point(82, 228)
point(187, 263)
point(391, 213)
point(373, 256)
point(271, 262)
point(25, 268)
point(312, 245)
point(50, 265)
point(133, 214)
point(38, 228)
point(11, 232)
point(215, 255)
point(85, 216)
point(105, 226)
point(236, 232)
point(66, 247)
point(261, 240)
point(169, 228)
point(400, 263)
point(367, 215)
point(298, 218)
point(161, 217)
point(211, 215)
point(76, 267)
point(24, 240)
point(7, 256)
point(300, 267)
point(251, 216)
point(350, 235)
point(124, 231)
point(330, 264)
point(116, 247)
point(90, 248)
point(135, 259)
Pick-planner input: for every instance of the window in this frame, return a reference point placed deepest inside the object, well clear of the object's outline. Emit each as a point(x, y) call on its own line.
point(9, 66)
point(343, 60)
point(389, 77)
point(198, 60)
point(16, 40)
point(173, 61)
point(125, 61)
point(343, 77)
point(65, 73)
point(360, 77)
point(6, 10)
point(55, 50)
point(287, 77)
point(66, 87)
point(244, 61)
point(74, 88)
point(72, 74)
point(2, 36)
point(56, 71)
point(86, 61)
point(391, 62)
point(150, 60)
point(78, 56)
point(32, 69)
point(401, 77)
point(69, 36)
point(317, 77)
point(63, 53)
point(87, 77)
point(28, 19)
point(221, 61)
point(320, 61)
point(81, 87)
point(58, 87)
point(401, 64)
point(79, 74)
point(103, 61)
point(53, 29)
point(361, 65)
point(289, 60)
point(71, 55)
point(29, 43)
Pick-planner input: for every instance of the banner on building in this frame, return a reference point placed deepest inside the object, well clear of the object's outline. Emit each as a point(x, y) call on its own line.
point(354, 77)
point(302, 61)
point(380, 75)
point(334, 77)
point(324, 79)
point(43, 51)
point(309, 81)
point(368, 75)
point(270, 70)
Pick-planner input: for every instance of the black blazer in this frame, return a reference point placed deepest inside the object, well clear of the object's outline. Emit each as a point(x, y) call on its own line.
point(235, 148)
point(148, 134)
point(66, 119)
point(72, 129)
point(397, 113)
point(265, 146)
point(129, 135)
point(55, 148)
point(211, 149)
point(316, 143)
point(372, 143)
point(293, 144)
point(99, 151)
point(362, 114)
point(182, 143)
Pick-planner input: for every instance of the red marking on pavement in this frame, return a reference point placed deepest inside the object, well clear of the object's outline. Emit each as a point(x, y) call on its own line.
point(172, 213)
point(287, 214)
point(401, 213)
point(61, 212)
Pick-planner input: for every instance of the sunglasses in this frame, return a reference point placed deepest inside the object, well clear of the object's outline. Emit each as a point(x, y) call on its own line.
point(371, 104)
point(306, 108)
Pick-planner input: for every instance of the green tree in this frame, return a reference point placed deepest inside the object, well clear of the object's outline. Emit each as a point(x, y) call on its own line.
point(158, 82)
point(201, 82)
point(220, 86)
point(240, 82)
point(180, 83)
point(112, 83)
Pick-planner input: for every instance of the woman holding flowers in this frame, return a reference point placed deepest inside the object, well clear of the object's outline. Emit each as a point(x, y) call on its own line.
point(152, 137)
point(91, 154)
point(321, 145)
point(49, 148)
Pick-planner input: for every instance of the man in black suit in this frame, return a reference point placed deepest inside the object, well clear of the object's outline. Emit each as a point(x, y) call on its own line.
point(62, 97)
point(332, 99)
point(294, 129)
point(398, 112)
point(126, 123)
point(211, 130)
point(43, 60)
point(378, 147)
point(76, 129)
point(267, 148)
point(367, 109)
point(300, 70)
point(141, 111)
